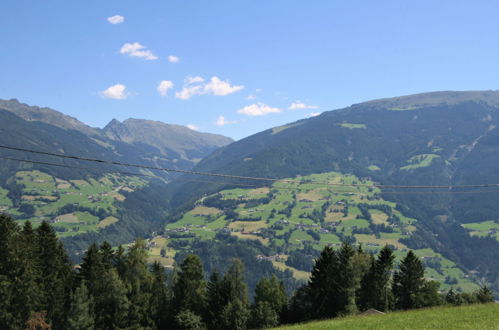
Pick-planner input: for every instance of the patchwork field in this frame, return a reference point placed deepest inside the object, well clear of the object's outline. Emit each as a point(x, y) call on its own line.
point(71, 206)
point(310, 212)
point(484, 229)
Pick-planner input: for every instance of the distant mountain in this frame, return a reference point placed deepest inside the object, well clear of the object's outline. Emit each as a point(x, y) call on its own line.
point(188, 144)
point(441, 138)
point(90, 201)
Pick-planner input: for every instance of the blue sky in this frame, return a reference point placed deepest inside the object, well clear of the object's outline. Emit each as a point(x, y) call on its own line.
point(247, 61)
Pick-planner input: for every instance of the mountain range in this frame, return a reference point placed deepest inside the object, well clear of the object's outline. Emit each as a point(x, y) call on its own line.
point(446, 139)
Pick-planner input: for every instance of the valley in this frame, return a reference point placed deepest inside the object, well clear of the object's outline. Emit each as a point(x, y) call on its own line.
point(296, 218)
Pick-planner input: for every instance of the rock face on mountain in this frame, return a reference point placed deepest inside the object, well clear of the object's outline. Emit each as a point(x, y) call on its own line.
point(441, 138)
point(189, 144)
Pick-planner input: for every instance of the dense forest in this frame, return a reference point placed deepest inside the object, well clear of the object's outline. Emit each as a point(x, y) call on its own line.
point(118, 289)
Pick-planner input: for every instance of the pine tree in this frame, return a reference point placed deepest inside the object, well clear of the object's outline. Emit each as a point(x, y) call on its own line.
point(367, 294)
point(111, 305)
point(10, 315)
point(270, 302)
point(484, 295)
point(408, 282)
point(138, 281)
point(160, 298)
point(347, 279)
point(383, 271)
point(236, 312)
point(324, 285)
point(80, 316)
point(56, 280)
point(189, 290)
point(216, 298)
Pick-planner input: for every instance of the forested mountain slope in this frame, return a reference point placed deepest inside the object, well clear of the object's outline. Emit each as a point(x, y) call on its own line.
point(90, 201)
point(443, 138)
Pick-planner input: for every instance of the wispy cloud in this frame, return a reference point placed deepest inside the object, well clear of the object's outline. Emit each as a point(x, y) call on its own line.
point(116, 19)
point(173, 59)
point(300, 105)
point(137, 50)
point(221, 121)
point(117, 92)
point(198, 86)
point(250, 97)
point(193, 127)
point(164, 86)
point(258, 109)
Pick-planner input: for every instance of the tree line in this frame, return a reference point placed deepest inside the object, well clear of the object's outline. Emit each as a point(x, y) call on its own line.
point(118, 289)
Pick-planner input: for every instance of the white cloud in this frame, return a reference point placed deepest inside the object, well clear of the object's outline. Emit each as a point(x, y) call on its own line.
point(116, 19)
point(192, 80)
point(173, 59)
point(193, 127)
point(221, 121)
point(198, 86)
point(189, 91)
point(164, 86)
point(300, 105)
point(221, 88)
point(258, 109)
point(117, 92)
point(137, 50)
point(313, 114)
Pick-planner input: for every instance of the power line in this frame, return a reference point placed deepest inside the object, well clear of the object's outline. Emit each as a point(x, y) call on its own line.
point(109, 162)
point(245, 184)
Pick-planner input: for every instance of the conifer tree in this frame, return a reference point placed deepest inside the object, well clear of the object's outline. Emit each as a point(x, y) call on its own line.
point(347, 279)
point(189, 290)
point(160, 298)
point(324, 285)
point(138, 281)
point(81, 316)
point(408, 282)
point(111, 305)
point(56, 280)
point(216, 298)
point(270, 302)
point(383, 270)
point(10, 315)
point(236, 312)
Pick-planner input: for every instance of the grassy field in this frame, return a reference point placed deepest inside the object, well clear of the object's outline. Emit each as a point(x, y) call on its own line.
point(48, 195)
point(483, 229)
point(483, 317)
point(418, 161)
point(339, 207)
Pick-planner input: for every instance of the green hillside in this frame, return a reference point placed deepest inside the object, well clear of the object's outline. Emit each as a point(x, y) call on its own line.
point(443, 139)
point(464, 317)
point(298, 217)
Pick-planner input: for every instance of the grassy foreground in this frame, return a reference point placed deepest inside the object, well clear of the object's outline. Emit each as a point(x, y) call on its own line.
point(466, 317)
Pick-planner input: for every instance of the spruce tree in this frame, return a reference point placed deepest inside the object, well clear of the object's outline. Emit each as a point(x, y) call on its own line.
point(270, 302)
point(236, 312)
point(189, 290)
point(160, 297)
point(10, 315)
point(138, 281)
point(347, 280)
point(111, 305)
point(324, 285)
point(217, 298)
point(383, 273)
point(81, 316)
point(408, 282)
point(56, 279)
